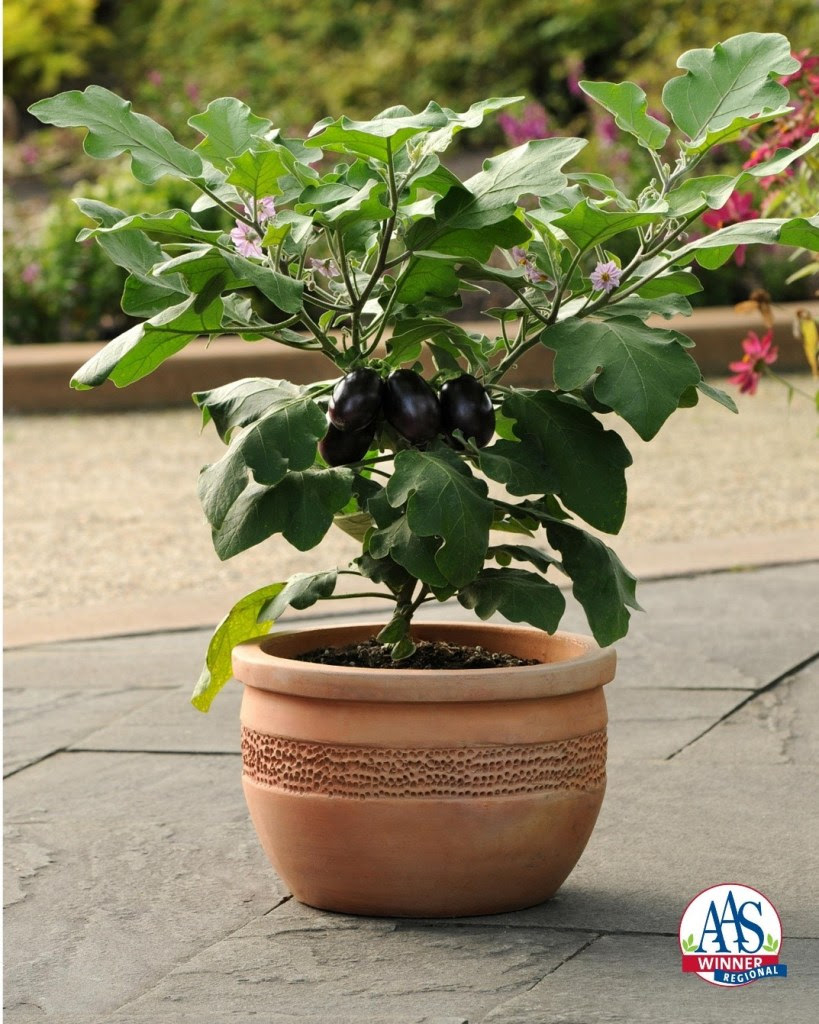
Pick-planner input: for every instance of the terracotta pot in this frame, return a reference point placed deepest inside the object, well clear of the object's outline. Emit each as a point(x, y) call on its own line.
point(421, 793)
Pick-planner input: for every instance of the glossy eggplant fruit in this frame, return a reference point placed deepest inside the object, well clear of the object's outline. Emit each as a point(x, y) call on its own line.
point(412, 407)
point(341, 447)
point(356, 400)
point(466, 406)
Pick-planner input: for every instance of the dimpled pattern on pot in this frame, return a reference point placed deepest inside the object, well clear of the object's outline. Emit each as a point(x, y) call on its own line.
point(416, 793)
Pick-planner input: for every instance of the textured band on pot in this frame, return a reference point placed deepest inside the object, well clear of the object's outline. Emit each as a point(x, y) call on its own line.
point(299, 766)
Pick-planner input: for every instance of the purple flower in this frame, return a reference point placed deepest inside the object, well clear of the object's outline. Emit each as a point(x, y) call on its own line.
point(30, 273)
point(605, 277)
point(522, 258)
point(265, 210)
point(606, 130)
point(246, 240)
point(326, 267)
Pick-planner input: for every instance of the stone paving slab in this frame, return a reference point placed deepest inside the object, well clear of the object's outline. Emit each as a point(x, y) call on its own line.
point(637, 980)
point(363, 969)
point(118, 868)
point(136, 889)
point(38, 722)
point(778, 727)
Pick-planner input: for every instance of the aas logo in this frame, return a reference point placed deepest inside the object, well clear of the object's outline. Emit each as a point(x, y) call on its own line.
point(731, 935)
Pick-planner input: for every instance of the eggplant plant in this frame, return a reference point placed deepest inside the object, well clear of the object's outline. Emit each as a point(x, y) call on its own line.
point(361, 240)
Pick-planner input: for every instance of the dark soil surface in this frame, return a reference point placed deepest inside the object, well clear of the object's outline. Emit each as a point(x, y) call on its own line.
point(438, 655)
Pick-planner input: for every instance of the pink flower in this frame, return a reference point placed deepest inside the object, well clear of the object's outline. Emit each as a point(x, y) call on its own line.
point(247, 241)
point(759, 352)
point(265, 210)
point(193, 92)
point(738, 208)
point(576, 68)
point(154, 77)
point(606, 130)
point(30, 273)
point(605, 277)
point(533, 124)
point(523, 259)
point(326, 267)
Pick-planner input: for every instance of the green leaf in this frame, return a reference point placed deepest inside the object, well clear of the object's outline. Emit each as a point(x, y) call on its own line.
point(588, 460)
point(587, 224)
point(799, 232)
point(712, 190)
point(301, 591)
point(519, 596)
point(444, 500)
point(229, 127)
point(414, 553)
point(141, 349)
point(284, 292)
point(240, 624)
point(144, 295)
point(282, 440)
point(667, 306)
point(301, 508)
point(717, 395)
point(176, 225)
point(259, 172)
point(113, 129)
point(440, 139)
point(678, 281)
point(628, 103)
point(369, 138)
point(365, 204)
point(197, 268)
point(523, 468)
point(729, 88)
point(242, 402)
point(600, 582)
point(644, 370)
point(504, 553)
point(531, 169)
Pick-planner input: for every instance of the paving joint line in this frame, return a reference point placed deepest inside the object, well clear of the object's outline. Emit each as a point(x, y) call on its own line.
point(31, 764)
point(783, 677)
point(307, 619)
point(134, 750)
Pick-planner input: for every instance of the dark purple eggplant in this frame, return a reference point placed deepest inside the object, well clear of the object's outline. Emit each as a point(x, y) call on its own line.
point(341, 447)
point(356, 400)
point(466, 406)
point(411, 406)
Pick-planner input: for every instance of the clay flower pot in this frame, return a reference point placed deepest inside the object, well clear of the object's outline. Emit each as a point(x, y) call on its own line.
point(420, 793)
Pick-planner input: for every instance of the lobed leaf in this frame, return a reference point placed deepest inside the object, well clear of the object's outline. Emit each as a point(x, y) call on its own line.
point(643, 370)
point(600, 581)
point(444, 500)
point(519, 596)
point(730, 87)
point(629, 105)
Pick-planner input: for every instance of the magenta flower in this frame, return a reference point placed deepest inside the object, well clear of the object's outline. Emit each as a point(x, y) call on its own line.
point(533, 124)
point(605, 277)
point(759, 353)
point(30, 273)
point(326, 267)
point(247, 240)
point(738, 208)
point(576, 68)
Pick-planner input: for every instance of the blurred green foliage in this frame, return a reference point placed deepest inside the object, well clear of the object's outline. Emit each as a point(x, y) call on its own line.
point(46, 42)
point(56, 289)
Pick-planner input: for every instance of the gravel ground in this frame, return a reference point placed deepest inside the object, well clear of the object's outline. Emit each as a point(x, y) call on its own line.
point(103, 508)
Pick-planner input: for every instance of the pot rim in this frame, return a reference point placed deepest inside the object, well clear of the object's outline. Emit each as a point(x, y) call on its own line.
point(572, 662)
